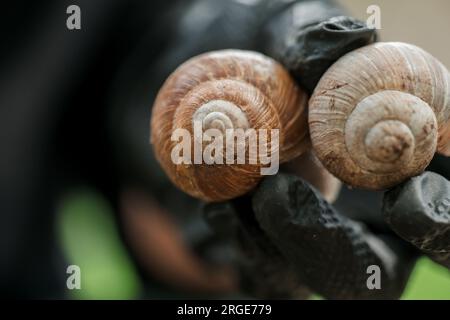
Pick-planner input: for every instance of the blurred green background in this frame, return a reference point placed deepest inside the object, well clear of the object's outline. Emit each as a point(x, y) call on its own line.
point(89, 238)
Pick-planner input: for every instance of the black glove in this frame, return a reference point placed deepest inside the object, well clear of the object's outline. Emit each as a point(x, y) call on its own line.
point(326, 251)
point(263, 271)
point(419, 212)
point(308, 37)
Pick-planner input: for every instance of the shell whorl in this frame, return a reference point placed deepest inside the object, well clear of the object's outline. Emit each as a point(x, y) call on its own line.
point(228, 89)
point(220, 115)
point(379, 114)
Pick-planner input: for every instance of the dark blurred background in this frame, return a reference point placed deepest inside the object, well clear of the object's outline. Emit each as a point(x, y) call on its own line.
point(78, 182)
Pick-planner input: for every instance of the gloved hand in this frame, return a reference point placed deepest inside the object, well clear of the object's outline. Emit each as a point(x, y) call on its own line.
point(289, 238)
point(309, 36)
point(419, 212)
point(285, 249)
point(306, 37)
point(292, 230)
point(262, 270)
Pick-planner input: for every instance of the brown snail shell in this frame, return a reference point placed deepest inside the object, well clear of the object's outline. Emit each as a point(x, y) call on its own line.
point(228, 89)
point(379, 114)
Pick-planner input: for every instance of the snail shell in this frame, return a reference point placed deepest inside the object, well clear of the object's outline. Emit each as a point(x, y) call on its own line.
point(379, 114)
point(228, 89)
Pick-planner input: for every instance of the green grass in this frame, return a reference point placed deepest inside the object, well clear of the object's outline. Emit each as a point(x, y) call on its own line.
point(89, 237)
point(428, 281)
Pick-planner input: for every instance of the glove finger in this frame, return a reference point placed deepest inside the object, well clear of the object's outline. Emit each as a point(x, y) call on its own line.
point(419, 212)
point(331, 253)
point(263, 271)
point(307, 51)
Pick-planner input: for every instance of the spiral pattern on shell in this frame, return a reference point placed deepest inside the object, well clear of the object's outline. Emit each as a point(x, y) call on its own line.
point(228, 89)
point(379, 114)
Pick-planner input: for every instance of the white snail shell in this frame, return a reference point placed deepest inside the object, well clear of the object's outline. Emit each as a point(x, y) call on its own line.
point(379, 114)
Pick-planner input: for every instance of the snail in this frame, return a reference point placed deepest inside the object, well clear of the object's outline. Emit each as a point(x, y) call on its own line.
point(227, 91)
point(379, 114)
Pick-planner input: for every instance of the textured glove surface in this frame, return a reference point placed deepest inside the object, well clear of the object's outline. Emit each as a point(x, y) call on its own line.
point(419, 212)
point(331, 253)
point(310, 36)
point(288, 238)
point(263, 271)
